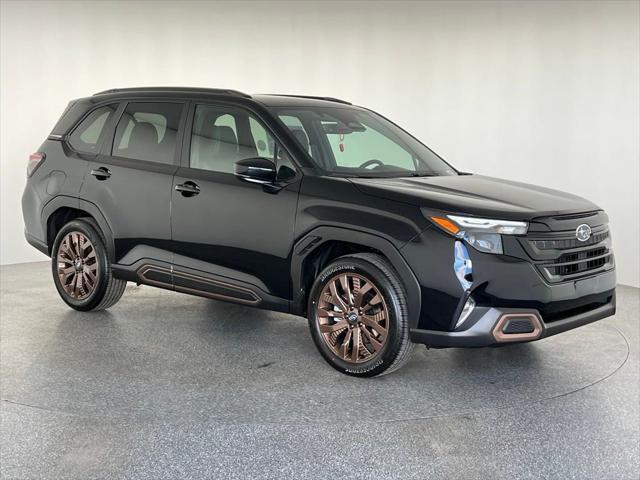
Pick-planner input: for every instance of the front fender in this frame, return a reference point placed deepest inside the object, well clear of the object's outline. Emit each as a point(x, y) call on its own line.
point(314, 239)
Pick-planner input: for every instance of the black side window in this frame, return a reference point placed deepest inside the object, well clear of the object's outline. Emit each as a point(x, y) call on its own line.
point(87, 135)
point(223, 135)
point(268, 148)
point(294, 124)
point(147, 131)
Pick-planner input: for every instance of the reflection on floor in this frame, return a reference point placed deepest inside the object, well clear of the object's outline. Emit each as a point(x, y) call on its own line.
point(166, 385)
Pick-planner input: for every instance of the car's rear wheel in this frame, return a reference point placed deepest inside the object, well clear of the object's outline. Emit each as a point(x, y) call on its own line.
point(81, 267)
point(358, 316)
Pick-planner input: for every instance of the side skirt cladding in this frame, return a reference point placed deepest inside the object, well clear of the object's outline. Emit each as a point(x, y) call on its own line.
point(160, 274)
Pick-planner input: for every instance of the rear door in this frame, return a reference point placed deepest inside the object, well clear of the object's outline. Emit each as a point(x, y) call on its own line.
point(232, 239)
point(130, 181)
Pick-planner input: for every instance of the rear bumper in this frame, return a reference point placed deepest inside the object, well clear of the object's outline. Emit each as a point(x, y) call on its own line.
point(38, 244)
point(490, 324)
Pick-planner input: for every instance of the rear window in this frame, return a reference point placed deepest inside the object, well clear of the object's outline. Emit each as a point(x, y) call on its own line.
point(88, 134)
point(147, 131)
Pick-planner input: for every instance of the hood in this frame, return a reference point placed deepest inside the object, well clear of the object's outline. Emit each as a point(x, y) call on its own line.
point(476, 195)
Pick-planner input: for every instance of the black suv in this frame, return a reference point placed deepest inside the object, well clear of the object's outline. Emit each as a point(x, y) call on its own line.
point(312, 206)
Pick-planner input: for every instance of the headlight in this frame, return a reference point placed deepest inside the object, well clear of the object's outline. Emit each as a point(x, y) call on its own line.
point(505, 227)
point(484, 242)
point(483, 234)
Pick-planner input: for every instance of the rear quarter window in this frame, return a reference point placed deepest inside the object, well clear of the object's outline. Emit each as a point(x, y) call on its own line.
point(87, 136)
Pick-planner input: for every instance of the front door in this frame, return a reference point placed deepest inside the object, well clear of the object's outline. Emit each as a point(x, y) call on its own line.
point(232, 239)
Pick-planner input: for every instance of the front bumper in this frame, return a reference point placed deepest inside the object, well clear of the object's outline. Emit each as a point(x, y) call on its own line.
point(509, 282)
point(487, 326)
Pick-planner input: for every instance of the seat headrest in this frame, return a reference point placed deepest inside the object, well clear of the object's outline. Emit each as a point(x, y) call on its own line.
point(143, 134)
point(225, 134)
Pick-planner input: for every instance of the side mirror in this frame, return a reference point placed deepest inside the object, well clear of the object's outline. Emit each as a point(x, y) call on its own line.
point(256, 170)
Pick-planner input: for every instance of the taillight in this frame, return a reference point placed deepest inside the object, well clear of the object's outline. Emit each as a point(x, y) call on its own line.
point(35, 159)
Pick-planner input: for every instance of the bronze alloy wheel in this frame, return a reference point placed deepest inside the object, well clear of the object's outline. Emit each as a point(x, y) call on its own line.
point(77, 265)
point(353, 317)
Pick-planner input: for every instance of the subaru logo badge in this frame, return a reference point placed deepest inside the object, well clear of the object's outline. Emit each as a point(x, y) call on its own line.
point(583, 232)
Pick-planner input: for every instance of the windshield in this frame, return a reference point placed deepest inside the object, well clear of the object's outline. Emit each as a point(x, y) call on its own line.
point(352, 142)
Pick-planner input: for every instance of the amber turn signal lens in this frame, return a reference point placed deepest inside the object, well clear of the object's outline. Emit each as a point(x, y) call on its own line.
point(446, 224)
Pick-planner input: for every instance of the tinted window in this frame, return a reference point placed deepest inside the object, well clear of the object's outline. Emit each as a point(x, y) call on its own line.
point(223, 135)
point(295, 125)
point(353, 149)
point(147, 131)
point(86, 137)
point(266, 147)
point(227, 120)
point(355, 142)
point(264, 143)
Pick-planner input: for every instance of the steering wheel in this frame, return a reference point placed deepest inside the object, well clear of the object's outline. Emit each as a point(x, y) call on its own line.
point(373, 161)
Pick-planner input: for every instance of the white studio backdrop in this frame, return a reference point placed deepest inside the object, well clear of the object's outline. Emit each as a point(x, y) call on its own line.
point(541, 92)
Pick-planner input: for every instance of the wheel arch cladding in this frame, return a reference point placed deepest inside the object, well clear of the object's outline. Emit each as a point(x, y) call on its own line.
point(323, 244)
point(62, 209)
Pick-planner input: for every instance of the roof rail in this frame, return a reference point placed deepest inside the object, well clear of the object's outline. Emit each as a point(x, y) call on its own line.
point(220, 91)
point(328, 99)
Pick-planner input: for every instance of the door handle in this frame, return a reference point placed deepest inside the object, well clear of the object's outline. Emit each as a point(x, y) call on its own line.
point(188, 189)
point(101, 173)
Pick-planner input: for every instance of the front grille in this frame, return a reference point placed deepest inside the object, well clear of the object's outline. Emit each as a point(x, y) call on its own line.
point(566, 243)
point(559, 256)
point(578, 262)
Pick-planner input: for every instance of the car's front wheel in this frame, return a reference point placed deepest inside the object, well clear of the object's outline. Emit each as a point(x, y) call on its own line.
point(81, 267)
point(358, 316)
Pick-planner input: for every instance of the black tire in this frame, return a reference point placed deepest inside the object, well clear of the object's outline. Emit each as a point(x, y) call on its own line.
point(398, 347)
point(107, 290)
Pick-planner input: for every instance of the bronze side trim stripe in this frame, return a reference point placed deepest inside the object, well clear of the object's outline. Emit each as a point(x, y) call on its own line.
point(144, 271)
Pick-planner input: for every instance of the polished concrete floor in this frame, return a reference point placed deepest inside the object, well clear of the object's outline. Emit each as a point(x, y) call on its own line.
point(166, 385)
